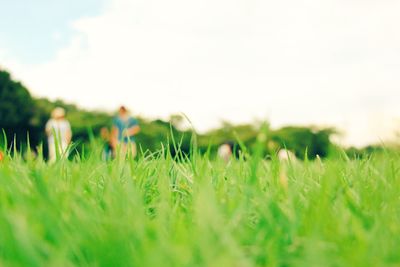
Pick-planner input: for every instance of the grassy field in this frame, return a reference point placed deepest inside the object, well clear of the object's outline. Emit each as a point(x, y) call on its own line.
point(159, 212)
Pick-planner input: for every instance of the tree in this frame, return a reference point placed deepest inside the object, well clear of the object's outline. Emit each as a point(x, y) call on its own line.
point(304, 139)
point(16, 107)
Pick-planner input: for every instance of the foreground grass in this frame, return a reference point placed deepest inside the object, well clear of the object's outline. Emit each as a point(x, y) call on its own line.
point(158, 212)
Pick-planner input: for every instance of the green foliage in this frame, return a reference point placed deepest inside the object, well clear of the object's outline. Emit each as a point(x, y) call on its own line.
point(20, 114)
point(365, 152)
point(310, 141)
point(158, 212)
point(304, 141)
point(246, 133)
point(16, 108)
point(155, 134)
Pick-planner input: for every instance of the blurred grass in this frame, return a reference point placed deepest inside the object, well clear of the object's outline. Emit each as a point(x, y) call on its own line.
point(157, 211)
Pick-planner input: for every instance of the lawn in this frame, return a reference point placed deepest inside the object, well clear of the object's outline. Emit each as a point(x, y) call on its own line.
point(156, 211)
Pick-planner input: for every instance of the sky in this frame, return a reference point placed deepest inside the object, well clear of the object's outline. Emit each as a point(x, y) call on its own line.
point(291, 62)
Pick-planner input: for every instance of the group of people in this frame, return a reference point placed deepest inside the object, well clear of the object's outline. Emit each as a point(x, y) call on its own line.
point(121, 138)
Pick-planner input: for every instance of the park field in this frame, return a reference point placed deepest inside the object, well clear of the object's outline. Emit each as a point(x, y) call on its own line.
point(157, 211)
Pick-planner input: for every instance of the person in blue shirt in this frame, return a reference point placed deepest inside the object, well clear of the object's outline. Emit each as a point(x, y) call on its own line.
point(124, 130)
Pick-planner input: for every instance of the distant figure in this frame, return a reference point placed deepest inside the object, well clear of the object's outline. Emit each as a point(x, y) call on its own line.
point(59, 134)
point(1, 156)
point(108, 148)
point(225, 151)
point(123, 133)
point(286, 155)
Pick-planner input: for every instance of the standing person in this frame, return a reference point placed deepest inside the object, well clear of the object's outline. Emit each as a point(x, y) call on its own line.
point(107, 144)
point(124, 130)
point(59, 134)
point(225, 151)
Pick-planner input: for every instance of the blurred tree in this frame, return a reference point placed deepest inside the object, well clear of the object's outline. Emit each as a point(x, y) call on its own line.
point(16, 108)
point(304, 141)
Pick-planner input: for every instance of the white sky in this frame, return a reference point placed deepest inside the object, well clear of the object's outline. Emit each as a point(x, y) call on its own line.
point(321, 62)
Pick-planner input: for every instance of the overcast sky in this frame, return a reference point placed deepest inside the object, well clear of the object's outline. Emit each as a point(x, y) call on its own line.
point(320, 62)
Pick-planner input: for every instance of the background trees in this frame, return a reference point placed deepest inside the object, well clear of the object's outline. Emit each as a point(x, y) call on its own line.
point(20, 114)
point(16, 108)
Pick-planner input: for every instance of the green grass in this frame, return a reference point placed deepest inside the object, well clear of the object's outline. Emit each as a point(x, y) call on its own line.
point(158, 212)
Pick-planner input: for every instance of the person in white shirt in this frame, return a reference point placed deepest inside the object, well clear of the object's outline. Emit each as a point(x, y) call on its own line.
point(286, 155)
point(225, 151)
point(59, 134)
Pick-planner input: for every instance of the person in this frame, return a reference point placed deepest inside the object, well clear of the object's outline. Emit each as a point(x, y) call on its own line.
point(124, 130)
point(59, 134)
point(107, 148)
point(286, 155)
point(225, 151)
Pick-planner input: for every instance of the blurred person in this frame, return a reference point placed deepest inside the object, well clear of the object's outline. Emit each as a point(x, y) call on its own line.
point(225, 151)
point(59, 134)
point(123, 133)
point(107, 148)
point(1, 156)
point(286, 155)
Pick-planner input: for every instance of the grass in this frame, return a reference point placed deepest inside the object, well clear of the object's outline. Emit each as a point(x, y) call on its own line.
point(159, 212)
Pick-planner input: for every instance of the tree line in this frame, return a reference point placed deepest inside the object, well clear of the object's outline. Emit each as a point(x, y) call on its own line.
point(23, 118)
